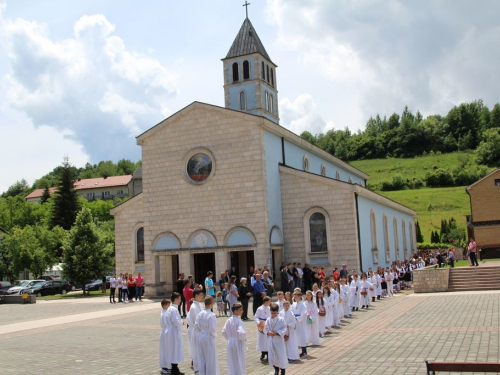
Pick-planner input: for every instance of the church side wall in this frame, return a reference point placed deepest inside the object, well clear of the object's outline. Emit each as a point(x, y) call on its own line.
point(273, 158)
point(365, 208)
point(234, 196)
point(300, 193)
point(128, 219)
point(294, 156)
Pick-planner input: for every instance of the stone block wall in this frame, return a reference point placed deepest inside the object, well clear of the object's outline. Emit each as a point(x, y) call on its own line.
point(430, 280)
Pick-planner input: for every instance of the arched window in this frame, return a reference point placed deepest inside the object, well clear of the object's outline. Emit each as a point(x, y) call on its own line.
point(317, 228)
point(272, 76)
point(405, 241)
point(243, 101)
point(337, 175)
point(323, 170)
point(350, 180)
point(396, 236)
point(373, 227)
point(266, 101)
point(387, 246)
point(412, 244)
point(139, 244)
point(263, 71)
point(246, 70)
point(270, 103)
point(267, 66)
point(236, 73)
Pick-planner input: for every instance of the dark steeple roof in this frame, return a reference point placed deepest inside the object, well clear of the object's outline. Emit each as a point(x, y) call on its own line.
point(247, 41)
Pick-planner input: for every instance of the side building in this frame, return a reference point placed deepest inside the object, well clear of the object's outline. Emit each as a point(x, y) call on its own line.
point(483, 224)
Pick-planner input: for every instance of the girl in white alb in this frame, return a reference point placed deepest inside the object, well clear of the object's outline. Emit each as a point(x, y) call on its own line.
point(345, 294)
point(299, 310)
point(312, 330)
point(327, 296)
point(320, 302)
point(354, 293)
point(364, 290)
point(389, 277)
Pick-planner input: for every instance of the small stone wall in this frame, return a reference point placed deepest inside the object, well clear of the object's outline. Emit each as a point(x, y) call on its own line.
point(19, 299)
point(430, 280)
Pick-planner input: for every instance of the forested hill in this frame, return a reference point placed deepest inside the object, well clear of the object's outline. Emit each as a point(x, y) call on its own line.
point(468, 126)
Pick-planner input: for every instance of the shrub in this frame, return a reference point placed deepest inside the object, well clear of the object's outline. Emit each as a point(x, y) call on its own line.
point(439, 178)
point(432, 246)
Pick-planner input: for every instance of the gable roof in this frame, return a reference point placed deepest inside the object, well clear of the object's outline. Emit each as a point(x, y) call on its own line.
point(88, 183)
point(246, 42)
point(480, 180)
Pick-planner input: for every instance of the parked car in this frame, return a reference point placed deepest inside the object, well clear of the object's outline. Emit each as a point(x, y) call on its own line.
point(20, 285)
point(4, 287)
point(97, 284)
point(51, 287)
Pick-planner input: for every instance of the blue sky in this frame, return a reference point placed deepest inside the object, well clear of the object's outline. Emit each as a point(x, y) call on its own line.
point(83, 78)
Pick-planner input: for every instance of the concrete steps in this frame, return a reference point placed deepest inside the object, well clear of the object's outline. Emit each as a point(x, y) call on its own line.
point(474, 278)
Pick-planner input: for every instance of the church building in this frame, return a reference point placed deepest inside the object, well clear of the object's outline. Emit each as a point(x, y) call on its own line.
point(230, 187)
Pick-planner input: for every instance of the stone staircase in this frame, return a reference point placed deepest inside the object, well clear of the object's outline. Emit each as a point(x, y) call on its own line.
point(474, 278)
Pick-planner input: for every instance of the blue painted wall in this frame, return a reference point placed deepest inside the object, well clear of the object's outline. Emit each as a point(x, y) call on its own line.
point(365, 206)
point(273, 184)
point(272, 92)
point(240, 238)
point(294, 158)
point(167, 243)
point(234, 96)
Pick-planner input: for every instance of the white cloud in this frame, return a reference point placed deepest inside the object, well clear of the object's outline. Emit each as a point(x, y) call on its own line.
point(89, 88)
point(379, 56)
point(302, 115)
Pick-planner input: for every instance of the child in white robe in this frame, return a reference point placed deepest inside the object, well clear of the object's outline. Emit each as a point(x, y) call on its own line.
point(372, 279)
point(192, 332)
point(379, 285)
point(327, 296)
point(292, 348)
point(234, 333)
point(389, 277)
point(312, 330)
point(175, 353)
point(165, 304)
point(345, 294)
point(261, 315)
point(354, 298)
point(281, 299)
point(320, 302)
point(275, 330)
point(206, 324)
point(334, 298)
point(364, 291)
point(300, 312)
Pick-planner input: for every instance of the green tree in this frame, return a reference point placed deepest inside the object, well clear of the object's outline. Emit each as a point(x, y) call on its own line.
point(19, 188)
point(420, 237)
point(87, 256)
point(65, 202)
point(488, 151)
point(45, 196)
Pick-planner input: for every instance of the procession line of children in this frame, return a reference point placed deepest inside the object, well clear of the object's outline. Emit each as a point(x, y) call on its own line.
point(282, 328)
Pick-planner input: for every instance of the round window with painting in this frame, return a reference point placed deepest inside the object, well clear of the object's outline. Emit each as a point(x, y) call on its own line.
point(199, 167)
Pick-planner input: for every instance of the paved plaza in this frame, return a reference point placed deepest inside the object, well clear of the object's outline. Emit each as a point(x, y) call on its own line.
point(395, 336)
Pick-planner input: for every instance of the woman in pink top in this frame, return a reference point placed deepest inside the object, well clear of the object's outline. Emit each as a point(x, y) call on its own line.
point(188, 293)
point(139, 283)
point(472, 252)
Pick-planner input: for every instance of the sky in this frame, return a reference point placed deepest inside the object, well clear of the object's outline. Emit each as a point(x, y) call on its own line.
point(83, 78)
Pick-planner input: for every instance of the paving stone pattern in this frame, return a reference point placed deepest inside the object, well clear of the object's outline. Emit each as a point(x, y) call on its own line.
point(395, 336)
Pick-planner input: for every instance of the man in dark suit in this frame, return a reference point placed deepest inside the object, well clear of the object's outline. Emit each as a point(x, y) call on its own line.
point(284, 280)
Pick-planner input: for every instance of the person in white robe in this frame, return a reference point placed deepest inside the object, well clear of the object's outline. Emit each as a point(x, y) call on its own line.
point(334, 298)
point(206, 324)
point(312, 321)
point(165, 367)
point(354, 298)
point(175, 352)
point(275, 330)
point(372, 279)
point(261, 315)
point(300, 312)
point(192, 332)
point(281, 299)
point(320, 302)
point(364, 291)
point(389, 277)
point(234, 333)
point(327, 296)
point(292, 347)
point(379, 285)
point(345, 294)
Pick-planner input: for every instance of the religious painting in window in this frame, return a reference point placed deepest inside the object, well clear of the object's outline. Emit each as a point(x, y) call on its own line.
point(305, 163)
point(266, 99)
point(317, 227)
point(323, 170)
point(139, 245)
point(246, 70)
point(396, 237)
point(199, 167)
point(236, 73)
point(337, 175)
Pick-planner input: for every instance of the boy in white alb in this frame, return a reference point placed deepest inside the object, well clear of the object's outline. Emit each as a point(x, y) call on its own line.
point(312, 321)
point(300, 312)
point(234, 333)
point(206, 324)
point(261, 315)
point(119, 282)
point(164, 344)
point(292, 348)
point(345, 294)
point(173, 335)
point(193, 334)
point(275, 330)
point(364, 291)
point(354, 293)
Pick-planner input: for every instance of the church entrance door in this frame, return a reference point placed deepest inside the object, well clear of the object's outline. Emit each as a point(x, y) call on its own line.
point(202, 264)
point(242, 261)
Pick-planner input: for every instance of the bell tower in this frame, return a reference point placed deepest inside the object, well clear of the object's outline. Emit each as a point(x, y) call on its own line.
point(250, 82)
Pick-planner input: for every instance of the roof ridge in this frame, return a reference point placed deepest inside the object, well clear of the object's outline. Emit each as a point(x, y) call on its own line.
point(247, 41)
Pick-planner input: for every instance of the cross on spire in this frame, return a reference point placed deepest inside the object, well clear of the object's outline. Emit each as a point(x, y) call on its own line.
point(246, 6)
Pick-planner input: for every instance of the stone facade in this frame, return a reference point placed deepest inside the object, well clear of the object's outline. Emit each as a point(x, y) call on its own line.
point(430, 280)
point(302, 192)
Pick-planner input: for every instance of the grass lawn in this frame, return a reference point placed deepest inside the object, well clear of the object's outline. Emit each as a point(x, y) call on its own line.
point(384, 169)
point(78, 294)
point(446, 203)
